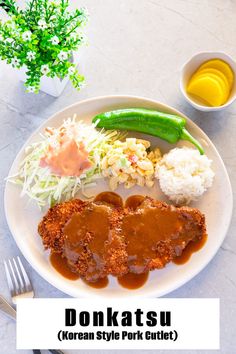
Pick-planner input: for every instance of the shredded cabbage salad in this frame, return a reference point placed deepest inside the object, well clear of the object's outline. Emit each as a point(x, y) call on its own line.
point(46, 188)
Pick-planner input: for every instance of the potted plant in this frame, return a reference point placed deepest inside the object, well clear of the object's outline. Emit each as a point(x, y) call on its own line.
point(39, 41)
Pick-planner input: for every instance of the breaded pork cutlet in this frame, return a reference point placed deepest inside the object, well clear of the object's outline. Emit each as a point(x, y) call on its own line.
point(98, 238)
point(92, 245)
point(51, 226)
point(85, 233)
point(156, 233)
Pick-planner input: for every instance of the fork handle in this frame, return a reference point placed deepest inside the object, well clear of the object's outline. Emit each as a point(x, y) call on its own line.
point(6, 308)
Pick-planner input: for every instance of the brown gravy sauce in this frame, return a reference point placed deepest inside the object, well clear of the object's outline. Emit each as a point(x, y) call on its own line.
point(191, 248)
point(110, 198)
point(98, 284)
point(60, 264)
point(146, 227)
point(133, 281)
point(94, 220)
point(134, 201)
point(91, 226)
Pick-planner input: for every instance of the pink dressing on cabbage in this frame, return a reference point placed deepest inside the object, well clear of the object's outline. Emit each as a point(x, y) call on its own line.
point(67, 158)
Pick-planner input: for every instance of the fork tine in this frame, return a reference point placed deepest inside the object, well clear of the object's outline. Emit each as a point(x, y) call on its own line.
point(9, 280)
point(15, 281)
point(19, 276)
point(25, 276)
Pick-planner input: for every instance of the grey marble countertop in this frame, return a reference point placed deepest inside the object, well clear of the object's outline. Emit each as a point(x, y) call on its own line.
point(138, 48)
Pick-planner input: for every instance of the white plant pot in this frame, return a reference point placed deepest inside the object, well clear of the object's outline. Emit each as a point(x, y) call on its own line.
point(52, 86)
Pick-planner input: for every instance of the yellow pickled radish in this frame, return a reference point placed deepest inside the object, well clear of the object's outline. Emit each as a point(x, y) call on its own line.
point(200, 100)
point(222, 66)
point(214, 72)
point(225, 89)
point(218, 77)
point(208, 89)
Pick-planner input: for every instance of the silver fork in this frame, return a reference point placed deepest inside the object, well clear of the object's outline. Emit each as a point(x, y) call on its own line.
point(20, 286)
point(18, 280)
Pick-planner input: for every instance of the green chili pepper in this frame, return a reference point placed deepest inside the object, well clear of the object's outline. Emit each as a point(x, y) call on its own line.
point(168, 127)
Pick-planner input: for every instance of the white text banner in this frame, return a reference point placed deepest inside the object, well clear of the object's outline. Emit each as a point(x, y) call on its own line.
point(118, 323)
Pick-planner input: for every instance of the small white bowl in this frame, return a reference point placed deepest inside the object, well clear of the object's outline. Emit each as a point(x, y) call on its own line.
point(192, 65)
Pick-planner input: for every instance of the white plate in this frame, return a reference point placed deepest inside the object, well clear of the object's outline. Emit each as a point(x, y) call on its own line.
point(217, 203)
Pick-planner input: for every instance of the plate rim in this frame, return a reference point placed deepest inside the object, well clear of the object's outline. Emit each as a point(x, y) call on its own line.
point(57, 282)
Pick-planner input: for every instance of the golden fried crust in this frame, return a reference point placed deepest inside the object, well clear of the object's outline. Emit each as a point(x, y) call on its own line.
point(115, 250)
point(51, 226)
point(115, 258)
point(193, 215)
point(167, 250)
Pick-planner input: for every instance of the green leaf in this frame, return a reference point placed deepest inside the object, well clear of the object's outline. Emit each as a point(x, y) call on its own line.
point(9, 6)
point(61, 23)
